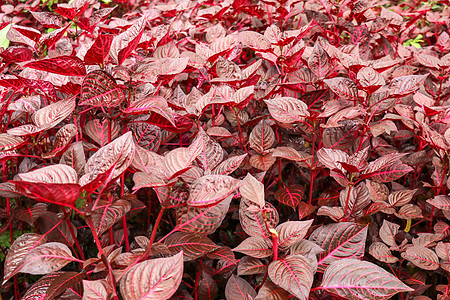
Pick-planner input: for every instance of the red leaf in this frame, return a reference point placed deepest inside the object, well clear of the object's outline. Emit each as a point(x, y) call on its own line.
point(125, 43)
point(61, 194)
point(99, 50)
point(16, 54)
point(182, 123)
point(63, 65)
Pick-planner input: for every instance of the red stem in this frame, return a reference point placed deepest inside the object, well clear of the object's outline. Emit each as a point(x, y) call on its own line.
point(275, 244)
point(11, 233)
point(313, 170)
point(347, 202)
point(103, 256)
point(152, 238)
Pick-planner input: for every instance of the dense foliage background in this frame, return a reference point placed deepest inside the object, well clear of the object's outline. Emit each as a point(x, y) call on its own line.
point(225, 149)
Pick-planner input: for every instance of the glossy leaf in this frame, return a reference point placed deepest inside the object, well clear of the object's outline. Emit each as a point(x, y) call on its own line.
point(291, 195)
point(262, 137)
point(99, 50)
point(422, 257)
point(203, 220)
point(343, 87)
point(95, 289)
point(123, 44)
point(253, 190)
point(53, 114)
point(99, 131)
point(292, 232)
point(287, 109)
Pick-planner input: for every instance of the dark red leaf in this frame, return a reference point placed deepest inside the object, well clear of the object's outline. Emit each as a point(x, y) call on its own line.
point(16, 54)
point(63, 65)
point(63, 194)
point(99, 50)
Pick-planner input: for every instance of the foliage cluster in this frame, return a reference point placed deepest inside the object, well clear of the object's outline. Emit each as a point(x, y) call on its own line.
point(237, 149)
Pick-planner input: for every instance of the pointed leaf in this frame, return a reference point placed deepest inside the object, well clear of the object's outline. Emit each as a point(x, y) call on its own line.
point(203, 220)
point(62, 65)
point(339, 240)
point(238, 289)
point(51, 115)
point(95, 290)
point(255, 246)
point(294, 273)
point(354, 280)
point(211, 189)
point(47, 258)
point(253, 190)
point(99, 50)
point(107, 214)
point(99, 131)
point(422, 257)
point(62, 282)
point(18, 251)
point(156, 279)
point(270, 291)
point(125, 43)
point(193, 246)
point(118, 154)
point(287, 109)
point(229, 165)
point(292, 232)
point(405, 85)
point(262, 137)
point(291, 195)
point(100, 89)
point(249, 266)
point(319, 62)
point(343, 87)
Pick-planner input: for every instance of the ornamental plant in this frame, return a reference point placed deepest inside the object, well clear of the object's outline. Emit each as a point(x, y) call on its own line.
point(236, 149)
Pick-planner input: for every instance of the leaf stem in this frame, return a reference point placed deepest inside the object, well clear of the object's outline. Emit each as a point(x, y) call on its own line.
point(347, 202)
point(152, 238)
point(274, 243)
point(112, 282)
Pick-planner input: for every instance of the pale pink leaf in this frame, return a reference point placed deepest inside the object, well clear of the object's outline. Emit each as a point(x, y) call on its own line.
point(294, 273)
point(354, 280)
point(156, 279)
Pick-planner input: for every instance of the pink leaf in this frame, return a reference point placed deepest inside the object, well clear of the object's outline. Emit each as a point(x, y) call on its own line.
point(354, 280)
point(294, 273)
point(153, 279)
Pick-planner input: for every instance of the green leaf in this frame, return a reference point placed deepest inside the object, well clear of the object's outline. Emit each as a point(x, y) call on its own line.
point(4, 42)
